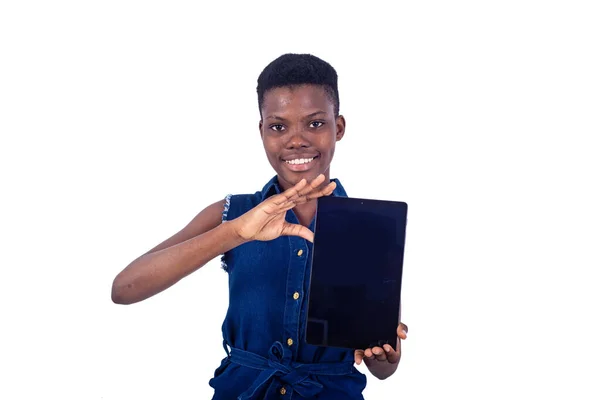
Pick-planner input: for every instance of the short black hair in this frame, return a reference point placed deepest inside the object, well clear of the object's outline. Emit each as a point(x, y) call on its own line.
point(299, 69)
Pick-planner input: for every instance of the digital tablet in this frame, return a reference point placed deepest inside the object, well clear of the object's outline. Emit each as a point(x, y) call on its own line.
point(356, 277)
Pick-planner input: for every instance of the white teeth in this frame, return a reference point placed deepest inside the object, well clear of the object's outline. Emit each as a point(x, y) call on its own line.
point(300, 161)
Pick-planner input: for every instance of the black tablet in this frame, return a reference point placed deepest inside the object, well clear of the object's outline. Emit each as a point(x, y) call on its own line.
point(356, 277)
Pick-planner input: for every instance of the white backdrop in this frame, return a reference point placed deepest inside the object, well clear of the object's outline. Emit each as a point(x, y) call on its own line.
point(120, 120)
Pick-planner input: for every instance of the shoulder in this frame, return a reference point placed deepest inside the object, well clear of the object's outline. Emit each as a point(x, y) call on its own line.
point(238, 204)
point(235, 205)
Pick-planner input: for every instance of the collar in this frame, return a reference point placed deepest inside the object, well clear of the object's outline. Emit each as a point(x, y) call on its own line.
point(272, 188)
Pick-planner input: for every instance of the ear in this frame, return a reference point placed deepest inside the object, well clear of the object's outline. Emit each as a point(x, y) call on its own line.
point(340, 127)
point(260, 124)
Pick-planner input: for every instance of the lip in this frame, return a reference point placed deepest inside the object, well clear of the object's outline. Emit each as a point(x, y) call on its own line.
point(300, 167)
point(297, 156)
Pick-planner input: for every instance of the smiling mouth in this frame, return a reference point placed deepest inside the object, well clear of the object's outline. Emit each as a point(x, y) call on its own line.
point(300, 161)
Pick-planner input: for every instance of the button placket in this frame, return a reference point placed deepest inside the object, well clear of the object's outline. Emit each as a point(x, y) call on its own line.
point(296, 295)
point(295, 285)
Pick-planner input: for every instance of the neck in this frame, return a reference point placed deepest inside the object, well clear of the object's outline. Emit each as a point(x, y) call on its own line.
point(306, 212)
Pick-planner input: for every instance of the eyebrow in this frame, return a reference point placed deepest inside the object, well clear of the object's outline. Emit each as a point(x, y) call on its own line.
point(278, 118)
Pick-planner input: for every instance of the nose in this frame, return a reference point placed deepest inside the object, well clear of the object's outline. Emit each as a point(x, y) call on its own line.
point(297, 139)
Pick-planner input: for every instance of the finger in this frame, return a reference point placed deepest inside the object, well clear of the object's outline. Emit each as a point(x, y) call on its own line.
point(380, 354)
point(329, 189)
point(297, 194)
point(358, 356)
point(311, 192)
point(297, 230)
point(369, 354)
point(393, 357)
point(304, 193)
point(288, 206)
point(315, 184)
point(291, 193)
point(326, 191)
point(402, 331)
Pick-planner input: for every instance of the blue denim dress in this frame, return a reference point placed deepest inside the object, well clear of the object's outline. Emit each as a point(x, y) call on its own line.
point(264, 329)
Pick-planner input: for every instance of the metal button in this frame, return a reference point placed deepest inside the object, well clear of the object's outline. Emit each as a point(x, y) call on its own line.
point(282, 391)
point(290, 342)
point(300, 252)
point(296, 296)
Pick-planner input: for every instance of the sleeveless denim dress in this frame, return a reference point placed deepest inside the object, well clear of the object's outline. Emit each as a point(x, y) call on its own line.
point(264, 329)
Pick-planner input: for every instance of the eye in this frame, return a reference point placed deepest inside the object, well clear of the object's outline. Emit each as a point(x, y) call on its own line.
point(316, 124)
point(277, 127)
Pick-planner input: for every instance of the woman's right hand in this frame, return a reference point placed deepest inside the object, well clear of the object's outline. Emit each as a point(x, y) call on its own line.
point(267, 221)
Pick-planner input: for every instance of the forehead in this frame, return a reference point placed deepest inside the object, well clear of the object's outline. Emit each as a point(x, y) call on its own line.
point(296, 99)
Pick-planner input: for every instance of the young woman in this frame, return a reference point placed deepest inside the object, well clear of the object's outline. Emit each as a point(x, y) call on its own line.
point(265, 240)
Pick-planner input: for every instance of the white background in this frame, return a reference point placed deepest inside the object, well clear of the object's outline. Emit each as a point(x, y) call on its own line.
point(120, 120)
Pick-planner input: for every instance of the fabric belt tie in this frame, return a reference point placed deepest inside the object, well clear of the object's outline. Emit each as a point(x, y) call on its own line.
point(279, 368)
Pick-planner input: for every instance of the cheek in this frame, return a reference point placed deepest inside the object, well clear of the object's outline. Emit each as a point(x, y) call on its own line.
point(330, 153)
point(328, 145)
point(271, 148)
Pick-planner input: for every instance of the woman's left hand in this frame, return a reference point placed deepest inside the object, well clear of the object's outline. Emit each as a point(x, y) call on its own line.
point(381, 355)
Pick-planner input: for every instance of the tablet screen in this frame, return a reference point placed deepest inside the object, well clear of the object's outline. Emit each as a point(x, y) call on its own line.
point(356, 277)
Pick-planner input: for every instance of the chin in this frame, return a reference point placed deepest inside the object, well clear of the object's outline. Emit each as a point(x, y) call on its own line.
point(295, 177)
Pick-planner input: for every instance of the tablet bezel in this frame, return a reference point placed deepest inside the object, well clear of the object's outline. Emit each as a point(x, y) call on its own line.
point(397, 206)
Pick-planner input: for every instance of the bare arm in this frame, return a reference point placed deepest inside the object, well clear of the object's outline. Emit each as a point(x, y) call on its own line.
point(203, 239)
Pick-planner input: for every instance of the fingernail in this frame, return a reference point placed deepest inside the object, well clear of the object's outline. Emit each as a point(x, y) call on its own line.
point(406, 333)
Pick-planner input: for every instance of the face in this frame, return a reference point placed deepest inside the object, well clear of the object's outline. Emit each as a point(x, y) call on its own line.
point(299, 132)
